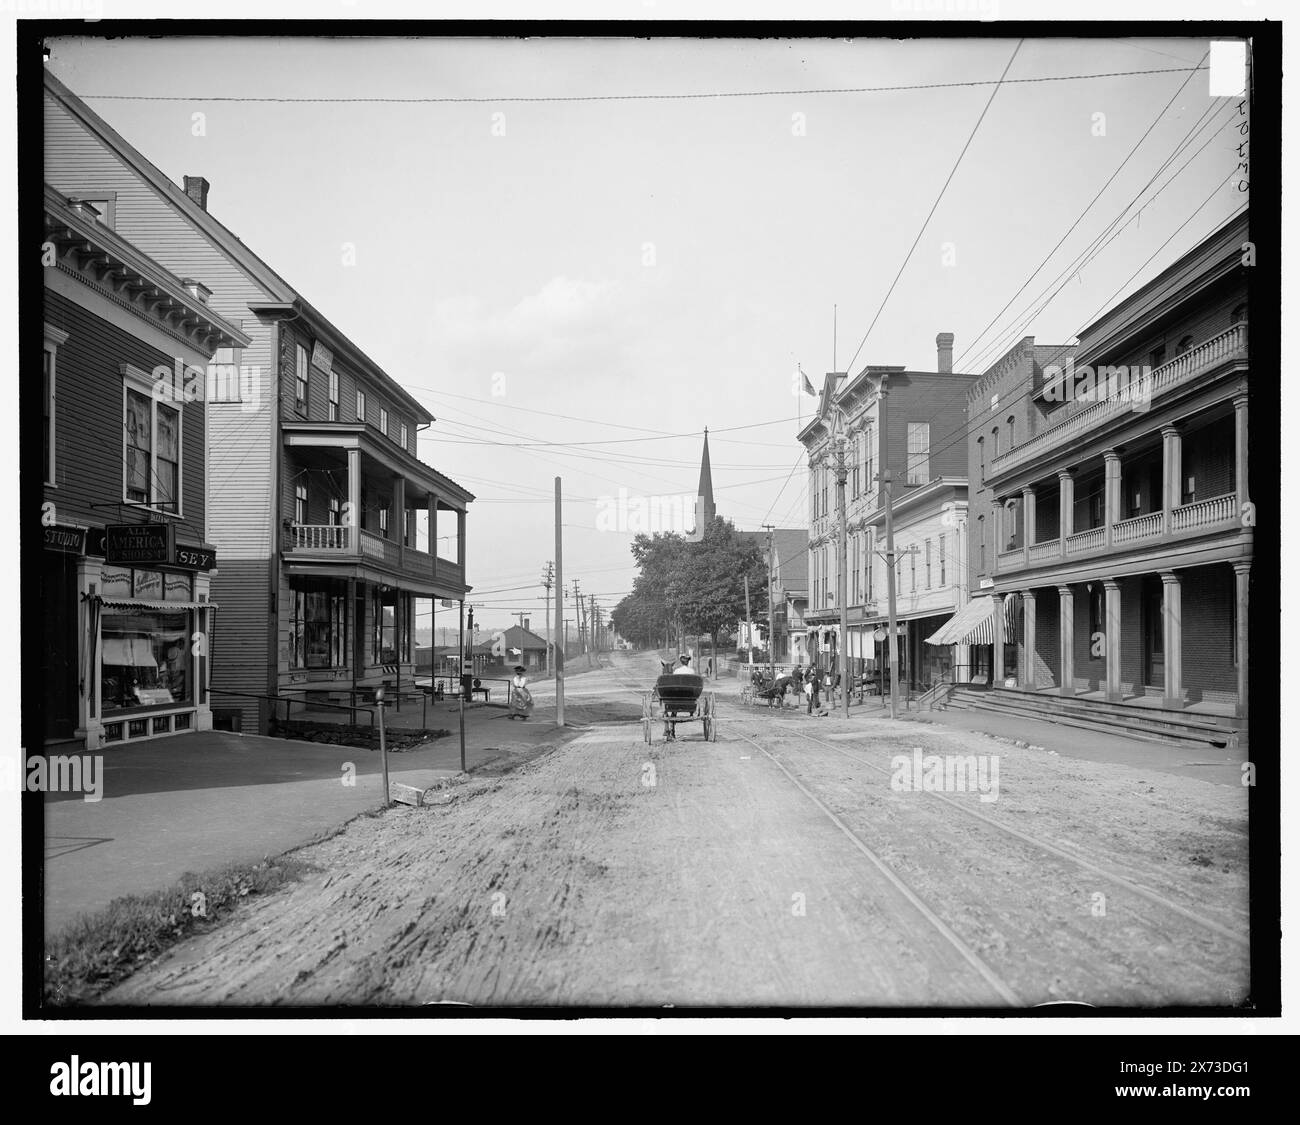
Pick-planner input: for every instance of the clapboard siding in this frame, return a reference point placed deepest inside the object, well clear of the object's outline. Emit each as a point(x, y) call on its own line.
point(239, 646)
point(89, 464)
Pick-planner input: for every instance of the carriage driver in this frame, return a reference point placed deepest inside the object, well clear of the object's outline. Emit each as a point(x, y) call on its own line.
point(684, 666)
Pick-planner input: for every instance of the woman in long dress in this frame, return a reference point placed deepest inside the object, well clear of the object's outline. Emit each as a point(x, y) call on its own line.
point(521, 699)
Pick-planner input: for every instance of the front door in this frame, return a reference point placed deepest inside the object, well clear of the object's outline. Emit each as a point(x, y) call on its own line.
point(1153, 631)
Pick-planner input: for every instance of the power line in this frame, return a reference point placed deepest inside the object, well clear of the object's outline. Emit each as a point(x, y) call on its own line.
point(938, 200)
point(559, 98)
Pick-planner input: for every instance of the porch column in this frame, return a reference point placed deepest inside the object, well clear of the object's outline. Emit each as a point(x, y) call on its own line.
point(999, 658)
point(432, 523)
point(1242, 571)
point(460, 541)
point(1028, 512)
point(1173, 472)
point(352, 518)
point(1027, 599)
point(1241, 406)
point(399, 507)
point(1067, 639)
point(1173, 626)
point(1112, 493)
point(1114, 692)
point(998, 508)
point(1066, 479)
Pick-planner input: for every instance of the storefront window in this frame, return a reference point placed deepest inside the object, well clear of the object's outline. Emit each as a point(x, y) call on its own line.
point(145, 654)
point(145, 658)
point(318, 630)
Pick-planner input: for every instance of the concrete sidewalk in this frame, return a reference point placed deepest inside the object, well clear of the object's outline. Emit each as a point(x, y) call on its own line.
point(199, 801)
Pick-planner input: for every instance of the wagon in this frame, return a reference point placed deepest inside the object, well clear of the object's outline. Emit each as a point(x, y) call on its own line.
point(681, 699)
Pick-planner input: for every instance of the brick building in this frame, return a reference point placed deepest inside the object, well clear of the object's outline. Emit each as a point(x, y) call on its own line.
point(913, 425)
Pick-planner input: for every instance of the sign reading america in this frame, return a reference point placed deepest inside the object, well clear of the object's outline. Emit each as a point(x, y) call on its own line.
point(139, 542)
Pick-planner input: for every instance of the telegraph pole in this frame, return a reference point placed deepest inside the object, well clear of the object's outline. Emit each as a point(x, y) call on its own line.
point(548, 577)
point(559, 608)
point(841, 476)
point(887, 480)
point(749, 628)
point(771, 632)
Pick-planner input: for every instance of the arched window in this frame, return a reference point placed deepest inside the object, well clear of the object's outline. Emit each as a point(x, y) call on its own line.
point(983, 567)
point(997, 448)
point(1184, 345)
point(980, 443)
point(1011, 433)
point(1239, 313)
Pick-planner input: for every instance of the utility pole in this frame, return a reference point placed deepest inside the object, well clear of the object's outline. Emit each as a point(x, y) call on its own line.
point(559, 606)
point(841, 476)
point(548, 577)
point(749, 628)
point(592, 626)
point(771, 633)
point(577, 615)
point(887, 480)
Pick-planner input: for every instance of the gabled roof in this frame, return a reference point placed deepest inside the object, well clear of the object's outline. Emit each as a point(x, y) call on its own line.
point(283, 297)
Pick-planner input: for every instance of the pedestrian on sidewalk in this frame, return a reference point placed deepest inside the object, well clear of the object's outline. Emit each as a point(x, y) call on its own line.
point(812, 688)
point(521, 699)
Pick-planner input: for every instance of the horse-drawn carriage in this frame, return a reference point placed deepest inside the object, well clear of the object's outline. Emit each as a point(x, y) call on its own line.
point(763, 688)
point(678, 698)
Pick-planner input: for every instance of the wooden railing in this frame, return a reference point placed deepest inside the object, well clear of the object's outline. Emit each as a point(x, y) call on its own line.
point(1093, 539)
point(1203, 513)
point(1177, 371)
point(1041, 552)
point(318, 537)
point(1139, 527)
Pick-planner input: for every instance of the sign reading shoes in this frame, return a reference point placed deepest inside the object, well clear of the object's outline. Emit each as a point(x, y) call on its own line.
point(139, 542)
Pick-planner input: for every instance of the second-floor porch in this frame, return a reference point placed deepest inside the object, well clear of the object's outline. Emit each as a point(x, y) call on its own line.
point(349, 500)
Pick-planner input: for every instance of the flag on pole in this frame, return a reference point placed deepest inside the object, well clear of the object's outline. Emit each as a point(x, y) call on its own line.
point(807, 383)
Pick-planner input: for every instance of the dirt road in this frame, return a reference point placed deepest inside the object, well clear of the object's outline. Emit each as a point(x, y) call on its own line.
point(766, 868)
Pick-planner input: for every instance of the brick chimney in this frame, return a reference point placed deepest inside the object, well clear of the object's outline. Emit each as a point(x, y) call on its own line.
point(196, 187)
point(528, 621)
point(943, 342)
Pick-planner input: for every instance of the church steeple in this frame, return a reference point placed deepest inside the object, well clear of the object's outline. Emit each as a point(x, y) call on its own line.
point(706, 509)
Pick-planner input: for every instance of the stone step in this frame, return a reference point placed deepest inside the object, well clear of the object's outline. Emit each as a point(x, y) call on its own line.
point(1128, 726)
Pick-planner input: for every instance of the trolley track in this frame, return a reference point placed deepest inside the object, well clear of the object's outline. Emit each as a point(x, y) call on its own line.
point(1094, 957)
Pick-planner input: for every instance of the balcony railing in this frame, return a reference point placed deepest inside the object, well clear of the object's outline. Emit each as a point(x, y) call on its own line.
point(1093, 539)
point(1204, 513)
point(1043, 552)
point(377, 547)
point(1139, 527)
point(1178, 371)
point(318, 537)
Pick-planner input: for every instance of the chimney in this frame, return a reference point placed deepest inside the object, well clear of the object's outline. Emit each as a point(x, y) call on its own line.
point(944, 343)
point(196, 187)
point(528, 621)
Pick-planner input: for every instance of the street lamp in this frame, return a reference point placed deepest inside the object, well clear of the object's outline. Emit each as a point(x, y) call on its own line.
point(840, 443)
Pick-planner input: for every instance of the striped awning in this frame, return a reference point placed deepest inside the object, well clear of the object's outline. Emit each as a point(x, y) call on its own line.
point(973, 624)
point(140, 603)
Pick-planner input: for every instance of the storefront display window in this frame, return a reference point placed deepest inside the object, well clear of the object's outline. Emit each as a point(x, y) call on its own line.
point(318, 629)
point(145, 654)
point(145, 658)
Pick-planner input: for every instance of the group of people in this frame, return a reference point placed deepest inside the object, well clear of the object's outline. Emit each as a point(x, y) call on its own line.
point(812, 684)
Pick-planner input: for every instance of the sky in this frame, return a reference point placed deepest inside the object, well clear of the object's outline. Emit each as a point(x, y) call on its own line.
point(612, 276)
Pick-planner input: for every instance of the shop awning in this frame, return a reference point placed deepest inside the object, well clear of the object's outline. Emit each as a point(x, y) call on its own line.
point(140, 603)
point(973, 624)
